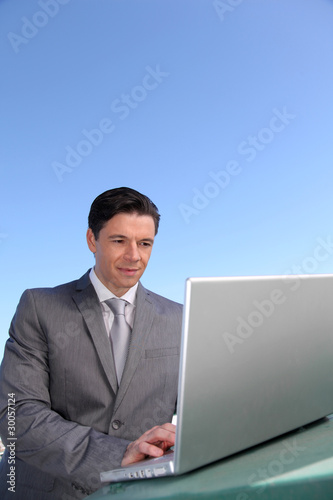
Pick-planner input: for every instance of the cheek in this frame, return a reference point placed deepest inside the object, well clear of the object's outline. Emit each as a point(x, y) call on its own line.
point(146, 260)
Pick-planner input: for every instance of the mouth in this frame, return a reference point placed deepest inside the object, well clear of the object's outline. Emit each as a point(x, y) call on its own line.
point(128, 271)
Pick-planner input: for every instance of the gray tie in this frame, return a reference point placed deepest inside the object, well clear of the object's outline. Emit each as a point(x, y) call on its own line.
point(120, 334)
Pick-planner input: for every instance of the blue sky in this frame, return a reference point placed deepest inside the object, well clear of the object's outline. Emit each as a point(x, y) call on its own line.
point(220, 111)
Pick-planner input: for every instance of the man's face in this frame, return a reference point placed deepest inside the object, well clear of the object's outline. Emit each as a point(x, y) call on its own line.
point(122, 250)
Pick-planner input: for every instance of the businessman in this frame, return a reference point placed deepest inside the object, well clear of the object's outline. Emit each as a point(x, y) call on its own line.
point(85, 387)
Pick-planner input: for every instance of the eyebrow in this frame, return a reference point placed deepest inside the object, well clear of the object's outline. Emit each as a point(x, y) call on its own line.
point(123, 237)
point(112, 236)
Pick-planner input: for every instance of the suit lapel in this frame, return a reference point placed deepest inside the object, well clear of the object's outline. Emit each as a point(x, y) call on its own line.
point(143, 320)
point(88, 304)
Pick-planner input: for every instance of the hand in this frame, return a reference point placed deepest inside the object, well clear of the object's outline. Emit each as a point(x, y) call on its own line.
point(152, 443)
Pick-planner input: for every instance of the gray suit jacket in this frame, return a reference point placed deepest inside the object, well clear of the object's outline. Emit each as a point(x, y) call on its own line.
point(71, 420)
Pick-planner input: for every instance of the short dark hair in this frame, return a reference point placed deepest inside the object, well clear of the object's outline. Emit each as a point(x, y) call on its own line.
point(120, 200)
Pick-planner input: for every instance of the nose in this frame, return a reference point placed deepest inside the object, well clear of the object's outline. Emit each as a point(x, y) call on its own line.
point(132, 253)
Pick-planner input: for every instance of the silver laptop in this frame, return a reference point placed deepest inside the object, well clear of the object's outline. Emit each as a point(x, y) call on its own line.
point(256, 362)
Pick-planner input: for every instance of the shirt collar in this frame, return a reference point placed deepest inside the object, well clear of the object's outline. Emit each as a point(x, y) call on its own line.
point(104, 293)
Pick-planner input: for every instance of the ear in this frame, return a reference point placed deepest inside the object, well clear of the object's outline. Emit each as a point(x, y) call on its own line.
point(91, 240)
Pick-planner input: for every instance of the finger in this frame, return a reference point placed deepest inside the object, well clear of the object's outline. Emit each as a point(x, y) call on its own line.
point(167, 426)
point(140, 450)
point(152, 443)
point(150, 450)
point(166, 433)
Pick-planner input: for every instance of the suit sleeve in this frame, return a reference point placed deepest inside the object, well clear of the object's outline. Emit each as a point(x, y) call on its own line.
point(45, 439)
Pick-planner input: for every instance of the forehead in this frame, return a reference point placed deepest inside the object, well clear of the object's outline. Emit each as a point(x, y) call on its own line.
point(128, 224)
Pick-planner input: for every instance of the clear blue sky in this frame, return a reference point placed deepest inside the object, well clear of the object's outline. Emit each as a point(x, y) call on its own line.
point(221, 112)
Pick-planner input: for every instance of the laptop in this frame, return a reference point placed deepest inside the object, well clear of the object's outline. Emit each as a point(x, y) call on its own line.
point(256, 362)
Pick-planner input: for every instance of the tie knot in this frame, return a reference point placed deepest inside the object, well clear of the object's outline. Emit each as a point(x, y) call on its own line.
point(117, 306)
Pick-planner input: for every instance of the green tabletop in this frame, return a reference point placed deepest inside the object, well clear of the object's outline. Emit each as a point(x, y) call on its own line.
point(297, 466)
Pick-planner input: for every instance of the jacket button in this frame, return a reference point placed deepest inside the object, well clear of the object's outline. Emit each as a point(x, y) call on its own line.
point(116, 424)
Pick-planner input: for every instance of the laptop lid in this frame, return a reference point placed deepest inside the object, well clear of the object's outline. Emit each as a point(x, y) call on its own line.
point(256, 362)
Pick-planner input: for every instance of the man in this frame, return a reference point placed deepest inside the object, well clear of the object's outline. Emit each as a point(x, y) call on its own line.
point(80, 406)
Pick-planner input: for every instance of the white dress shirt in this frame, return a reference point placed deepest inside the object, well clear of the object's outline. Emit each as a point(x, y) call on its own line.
point(104, 293)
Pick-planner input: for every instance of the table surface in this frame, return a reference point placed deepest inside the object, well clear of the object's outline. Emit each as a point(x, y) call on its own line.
point(295, 466)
